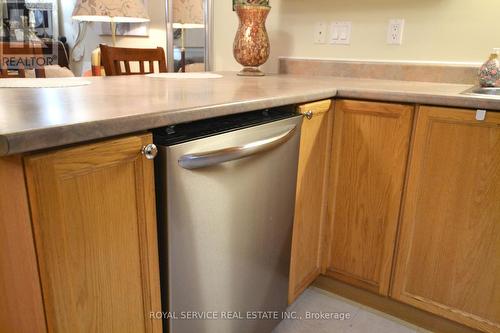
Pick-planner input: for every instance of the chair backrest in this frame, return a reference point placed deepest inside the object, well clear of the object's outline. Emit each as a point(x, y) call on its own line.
point(19, 52)
point(113, 57)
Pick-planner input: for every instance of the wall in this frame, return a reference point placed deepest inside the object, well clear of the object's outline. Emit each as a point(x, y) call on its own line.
point(157, 33)
point(435, 30)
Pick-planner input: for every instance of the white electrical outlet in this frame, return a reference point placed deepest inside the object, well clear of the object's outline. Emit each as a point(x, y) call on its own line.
point(395, 31)
point(340, 33)
point(320, 33)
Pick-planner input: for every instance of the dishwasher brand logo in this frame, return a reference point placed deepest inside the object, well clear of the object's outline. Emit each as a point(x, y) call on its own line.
point(250, 315)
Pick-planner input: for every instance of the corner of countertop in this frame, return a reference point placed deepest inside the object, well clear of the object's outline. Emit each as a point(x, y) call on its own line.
point(4, 146)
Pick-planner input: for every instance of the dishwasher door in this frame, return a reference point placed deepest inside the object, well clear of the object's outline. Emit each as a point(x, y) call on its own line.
point(227, 228)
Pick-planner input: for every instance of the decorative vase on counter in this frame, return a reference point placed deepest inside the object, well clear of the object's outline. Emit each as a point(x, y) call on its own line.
point(251, 45)
point(489, 73)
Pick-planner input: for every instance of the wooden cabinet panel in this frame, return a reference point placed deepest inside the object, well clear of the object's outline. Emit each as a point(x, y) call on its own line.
point(21, 306)
point(448, 259)
point(369, 158)
point(310, 204)
point(93, 214)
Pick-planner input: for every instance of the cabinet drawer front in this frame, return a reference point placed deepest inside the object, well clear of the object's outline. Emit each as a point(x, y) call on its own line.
point(369, 158)
point(93, 213)
point(448, 259)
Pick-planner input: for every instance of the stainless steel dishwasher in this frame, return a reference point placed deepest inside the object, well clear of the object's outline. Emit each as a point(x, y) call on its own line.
point(226, 205)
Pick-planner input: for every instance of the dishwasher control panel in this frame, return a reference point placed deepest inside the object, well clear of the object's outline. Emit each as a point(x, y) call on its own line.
point(185, 132)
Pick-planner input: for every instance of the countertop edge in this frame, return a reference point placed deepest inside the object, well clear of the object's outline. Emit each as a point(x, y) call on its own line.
point(62, 135)
point(459, 101)
point(57, 136)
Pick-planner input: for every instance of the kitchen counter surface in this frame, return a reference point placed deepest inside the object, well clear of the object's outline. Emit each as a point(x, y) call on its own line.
point(33, 119)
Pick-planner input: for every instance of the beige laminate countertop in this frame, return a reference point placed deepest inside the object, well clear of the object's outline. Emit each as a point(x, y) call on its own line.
point(33, 119)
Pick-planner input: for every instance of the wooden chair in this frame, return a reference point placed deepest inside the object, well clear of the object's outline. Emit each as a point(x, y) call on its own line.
point(113, 57)
point(19, 51)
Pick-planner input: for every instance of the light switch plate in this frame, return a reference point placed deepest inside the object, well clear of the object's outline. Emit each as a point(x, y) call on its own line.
point(320, 33)
point(340, 33)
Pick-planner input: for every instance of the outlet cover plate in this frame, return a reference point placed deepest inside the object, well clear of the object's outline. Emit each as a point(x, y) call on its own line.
point(395, 31)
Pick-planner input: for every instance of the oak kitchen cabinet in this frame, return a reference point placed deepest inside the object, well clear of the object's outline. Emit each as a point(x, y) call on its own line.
point(448, 258)
point(93, 223)
point(310, 203)
point(78, 249)
point(21, 305)
point(368, 163)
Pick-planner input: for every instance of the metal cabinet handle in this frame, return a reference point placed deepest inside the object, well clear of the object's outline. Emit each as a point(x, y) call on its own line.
point(209, 158)
point(150, 151)
point(308, 115)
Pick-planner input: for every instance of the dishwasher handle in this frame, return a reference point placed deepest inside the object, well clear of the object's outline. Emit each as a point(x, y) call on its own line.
point(209, 158)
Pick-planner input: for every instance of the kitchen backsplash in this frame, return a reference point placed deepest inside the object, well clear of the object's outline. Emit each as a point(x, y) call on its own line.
point(449, 73)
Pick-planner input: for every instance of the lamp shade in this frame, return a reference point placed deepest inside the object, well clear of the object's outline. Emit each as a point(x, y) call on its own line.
point(188, 14)
point(110, 10)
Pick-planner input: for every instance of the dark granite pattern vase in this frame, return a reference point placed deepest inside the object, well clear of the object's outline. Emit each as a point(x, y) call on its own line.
point(251, 45)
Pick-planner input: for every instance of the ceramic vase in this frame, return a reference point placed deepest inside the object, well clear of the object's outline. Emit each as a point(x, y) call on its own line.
point(251, 45)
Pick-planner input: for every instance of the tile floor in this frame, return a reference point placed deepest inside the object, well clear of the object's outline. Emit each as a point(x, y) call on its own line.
point(362, 319)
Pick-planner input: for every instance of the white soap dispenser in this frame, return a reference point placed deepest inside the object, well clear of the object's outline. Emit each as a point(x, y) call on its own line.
point(489, 73)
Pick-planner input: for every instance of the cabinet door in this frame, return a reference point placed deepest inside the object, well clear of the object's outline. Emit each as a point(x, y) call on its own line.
point(369, 158)
point(93, 214)
point(310, 204)
point(21, 304)
point(448, 259)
